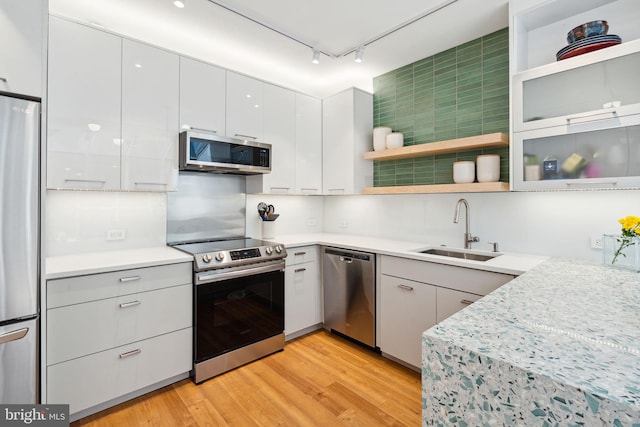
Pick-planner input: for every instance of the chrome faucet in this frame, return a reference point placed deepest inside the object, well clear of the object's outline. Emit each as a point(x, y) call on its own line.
point(468, 238)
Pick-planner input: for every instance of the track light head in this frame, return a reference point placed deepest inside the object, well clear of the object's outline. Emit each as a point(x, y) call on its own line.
point(359, 54)
point(316, 56)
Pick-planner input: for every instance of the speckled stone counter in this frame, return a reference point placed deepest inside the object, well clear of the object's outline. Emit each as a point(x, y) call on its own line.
point(557, 346)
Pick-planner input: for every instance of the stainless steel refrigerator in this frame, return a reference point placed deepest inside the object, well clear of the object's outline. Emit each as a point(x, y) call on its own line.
point(19, 247)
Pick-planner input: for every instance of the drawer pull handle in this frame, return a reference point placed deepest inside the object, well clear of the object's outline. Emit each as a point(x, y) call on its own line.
point(130, 304)
point(300, 253)
point(299, 270)
point(578, 118)
point(466, 302)
point(130, 279)
point(130, 353)
point(405, 287)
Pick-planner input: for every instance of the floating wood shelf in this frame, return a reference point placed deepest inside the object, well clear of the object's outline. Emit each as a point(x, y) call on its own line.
point(491, 140)
point(476, 187)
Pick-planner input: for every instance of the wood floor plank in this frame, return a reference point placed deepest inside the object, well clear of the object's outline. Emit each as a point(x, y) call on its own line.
point(318, 380)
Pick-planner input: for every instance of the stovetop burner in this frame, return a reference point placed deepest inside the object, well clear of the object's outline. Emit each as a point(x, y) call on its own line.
point(213, 254)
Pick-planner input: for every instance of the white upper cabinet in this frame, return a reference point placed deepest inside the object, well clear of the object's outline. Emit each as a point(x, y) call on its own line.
point(308, 179)
point(244, 107)
point(575, 121)
point(150, 85)
point(278, 129)
point(347, 127)
point(83, 107)
point(202, 96)
point(22, 41)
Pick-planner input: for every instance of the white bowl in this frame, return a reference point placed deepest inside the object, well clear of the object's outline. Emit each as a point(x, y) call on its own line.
point(464, 172)
point(395, 140)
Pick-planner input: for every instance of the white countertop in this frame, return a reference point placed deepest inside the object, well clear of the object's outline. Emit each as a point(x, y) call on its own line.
point(102, 262)
point(508, 262)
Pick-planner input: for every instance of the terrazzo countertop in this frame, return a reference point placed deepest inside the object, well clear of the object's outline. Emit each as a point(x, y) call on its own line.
point(101, 262)
point(557, 346)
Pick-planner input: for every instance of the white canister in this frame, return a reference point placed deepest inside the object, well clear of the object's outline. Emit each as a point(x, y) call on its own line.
point(532, 173)
point(464, 172)
point(488, 168)
point(268, 229)
point(395, 140)
point(380, 137)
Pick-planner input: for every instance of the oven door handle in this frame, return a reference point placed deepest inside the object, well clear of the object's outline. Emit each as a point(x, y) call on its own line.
point(209, 277)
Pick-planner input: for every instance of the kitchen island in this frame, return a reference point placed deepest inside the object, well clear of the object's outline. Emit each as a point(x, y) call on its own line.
point(557, 346)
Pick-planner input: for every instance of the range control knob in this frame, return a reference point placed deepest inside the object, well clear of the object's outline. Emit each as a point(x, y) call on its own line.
point(278, 249)
point(219, 256)
point(269, 250)
point(206, 258)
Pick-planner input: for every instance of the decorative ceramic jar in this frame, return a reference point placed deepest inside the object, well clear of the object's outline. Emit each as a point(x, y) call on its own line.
point(380, 137)
point(464, 172)
point(621, 252)
point(488, 166)
point(395, 140)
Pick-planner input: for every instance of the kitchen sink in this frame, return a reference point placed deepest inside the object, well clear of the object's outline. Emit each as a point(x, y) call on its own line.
point(457, 254)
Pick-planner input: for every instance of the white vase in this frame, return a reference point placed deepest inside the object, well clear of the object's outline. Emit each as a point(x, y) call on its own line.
point(380, 137)
point(488, 168)
point(464, 172)
point(395, 140)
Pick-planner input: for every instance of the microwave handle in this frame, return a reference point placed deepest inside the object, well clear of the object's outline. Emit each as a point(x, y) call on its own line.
point(246, 136)
point(200, 129)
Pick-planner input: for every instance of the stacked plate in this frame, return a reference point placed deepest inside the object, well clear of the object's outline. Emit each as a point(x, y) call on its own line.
point(588, 44)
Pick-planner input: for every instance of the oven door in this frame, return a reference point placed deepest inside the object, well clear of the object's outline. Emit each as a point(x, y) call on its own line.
point(235, 310)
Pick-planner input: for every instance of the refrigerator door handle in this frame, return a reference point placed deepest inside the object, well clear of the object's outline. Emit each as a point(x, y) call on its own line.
point(13, 335)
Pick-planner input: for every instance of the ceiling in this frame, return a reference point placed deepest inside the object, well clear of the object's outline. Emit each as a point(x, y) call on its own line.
point(222, 36)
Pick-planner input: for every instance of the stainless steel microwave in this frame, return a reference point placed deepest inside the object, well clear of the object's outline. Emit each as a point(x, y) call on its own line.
point(208, 152)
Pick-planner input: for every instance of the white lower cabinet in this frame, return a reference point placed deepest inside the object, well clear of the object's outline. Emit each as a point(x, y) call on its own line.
point(416, 295)
point(408, 308)
point(119, 333)
point(450, 301)
point(302, 295)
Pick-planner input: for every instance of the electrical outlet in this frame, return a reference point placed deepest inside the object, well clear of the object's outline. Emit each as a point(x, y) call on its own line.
point(116, 234)
point(343, 223)
point(596, 241)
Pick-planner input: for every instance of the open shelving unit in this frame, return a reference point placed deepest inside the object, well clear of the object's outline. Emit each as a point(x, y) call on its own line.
point(493, 140)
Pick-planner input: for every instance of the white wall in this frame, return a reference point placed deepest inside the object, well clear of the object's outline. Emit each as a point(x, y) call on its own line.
point(298, 214)
point(78, 221)
point(549, 223)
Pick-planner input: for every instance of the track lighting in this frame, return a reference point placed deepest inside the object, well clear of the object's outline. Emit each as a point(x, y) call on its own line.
point(316, 56)
point(179, 3)
point(359, 54)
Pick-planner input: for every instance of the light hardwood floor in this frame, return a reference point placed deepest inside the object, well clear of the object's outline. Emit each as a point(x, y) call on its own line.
point(318, 380)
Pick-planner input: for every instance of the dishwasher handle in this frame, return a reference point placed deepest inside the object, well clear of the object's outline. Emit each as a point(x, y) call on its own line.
point(349, 257)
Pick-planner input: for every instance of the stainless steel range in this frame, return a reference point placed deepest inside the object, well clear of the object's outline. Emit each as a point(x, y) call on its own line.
point(238, 307)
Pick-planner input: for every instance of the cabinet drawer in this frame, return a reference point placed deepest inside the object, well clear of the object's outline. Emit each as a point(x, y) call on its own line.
point(74, 290)
point(450, 302)
point(100, 377)
point(81, 329)
point(477, 282)
point(302, 254)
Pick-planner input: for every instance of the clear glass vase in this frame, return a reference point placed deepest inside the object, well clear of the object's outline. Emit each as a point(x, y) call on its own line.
point(621, 252)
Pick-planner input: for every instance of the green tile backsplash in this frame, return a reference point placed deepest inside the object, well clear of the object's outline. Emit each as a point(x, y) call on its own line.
point(460, 92)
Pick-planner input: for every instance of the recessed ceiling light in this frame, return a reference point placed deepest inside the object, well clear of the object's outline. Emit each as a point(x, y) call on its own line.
point(179, 4)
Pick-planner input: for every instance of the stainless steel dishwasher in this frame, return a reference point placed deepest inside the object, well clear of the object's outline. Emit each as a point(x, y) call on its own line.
point(348, 279)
